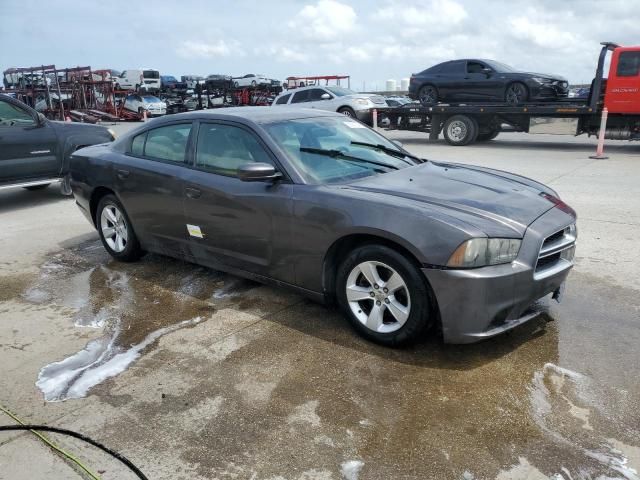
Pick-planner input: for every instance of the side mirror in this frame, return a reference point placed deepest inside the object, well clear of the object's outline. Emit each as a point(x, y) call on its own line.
point(487, 71)
point(398, 143)
point(257, 172)
point(41, 119)
point(325, 96)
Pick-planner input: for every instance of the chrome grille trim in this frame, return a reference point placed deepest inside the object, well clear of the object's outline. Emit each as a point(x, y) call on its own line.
point(555, 244)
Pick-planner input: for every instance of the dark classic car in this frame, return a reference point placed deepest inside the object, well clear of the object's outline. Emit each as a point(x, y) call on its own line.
point(473, 80)
point(322, 204)
point(34, 151)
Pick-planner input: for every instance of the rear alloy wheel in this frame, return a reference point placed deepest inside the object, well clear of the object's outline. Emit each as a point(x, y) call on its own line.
point(347, 111)
point(115, 230)
point(460, 130)
point(516, 94)
point(428, 95)
point(384, 295)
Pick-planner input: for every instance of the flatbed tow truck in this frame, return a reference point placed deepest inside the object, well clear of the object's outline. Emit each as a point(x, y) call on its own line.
point(616, 97)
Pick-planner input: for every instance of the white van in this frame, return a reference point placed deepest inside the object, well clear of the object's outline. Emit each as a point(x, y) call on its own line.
point(142, 79)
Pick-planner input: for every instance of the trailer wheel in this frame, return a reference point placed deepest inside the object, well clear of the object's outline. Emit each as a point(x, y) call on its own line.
point(485, 137)
point(460, 130)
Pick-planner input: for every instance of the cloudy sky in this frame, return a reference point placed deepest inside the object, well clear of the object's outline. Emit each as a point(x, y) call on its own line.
point(370, 40)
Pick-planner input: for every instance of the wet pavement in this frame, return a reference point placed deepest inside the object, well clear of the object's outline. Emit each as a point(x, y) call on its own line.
point(193, 373)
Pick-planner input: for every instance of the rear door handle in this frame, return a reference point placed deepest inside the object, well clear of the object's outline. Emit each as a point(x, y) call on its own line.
point(193, 192)
point(122, 173)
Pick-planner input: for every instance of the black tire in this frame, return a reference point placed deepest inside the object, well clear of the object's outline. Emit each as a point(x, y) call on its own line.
point(419, 298)
point(516, 93)
point(460, 130)
point(485, 137)
point(34, 188)
point(236, 84)
point(253, 83)
point(428, 95)
point(347, 111)
point(118, 86)
point(132, 250)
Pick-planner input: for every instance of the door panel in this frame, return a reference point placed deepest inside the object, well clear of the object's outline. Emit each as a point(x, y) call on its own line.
point(27, 150)
point(245, 225)
point(151, 188)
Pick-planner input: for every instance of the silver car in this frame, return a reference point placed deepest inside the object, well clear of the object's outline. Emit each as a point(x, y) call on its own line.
point(333, 99)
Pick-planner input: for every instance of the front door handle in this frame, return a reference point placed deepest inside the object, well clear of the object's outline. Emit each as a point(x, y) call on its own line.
point(122, 174)
point(192, 192)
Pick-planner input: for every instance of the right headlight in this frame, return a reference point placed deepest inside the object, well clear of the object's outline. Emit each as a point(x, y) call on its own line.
point(480, 252)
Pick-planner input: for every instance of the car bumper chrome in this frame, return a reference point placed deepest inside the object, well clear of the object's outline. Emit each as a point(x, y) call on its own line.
point(480, 303)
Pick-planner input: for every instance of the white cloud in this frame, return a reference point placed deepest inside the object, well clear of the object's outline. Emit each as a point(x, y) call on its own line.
point(325, 21)
point(433, 14)
point(203, 49)
point(542, 33)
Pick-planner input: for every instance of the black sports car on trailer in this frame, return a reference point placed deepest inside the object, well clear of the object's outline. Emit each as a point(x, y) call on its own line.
point(472, 80)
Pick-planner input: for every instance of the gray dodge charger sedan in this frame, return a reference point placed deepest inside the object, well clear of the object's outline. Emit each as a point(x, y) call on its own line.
point(320, 203)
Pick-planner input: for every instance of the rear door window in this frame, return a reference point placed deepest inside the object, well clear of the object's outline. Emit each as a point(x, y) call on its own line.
point(315, 94)
point(284, 99)
point(166, 143)
point(628, 64)
point(475, 67)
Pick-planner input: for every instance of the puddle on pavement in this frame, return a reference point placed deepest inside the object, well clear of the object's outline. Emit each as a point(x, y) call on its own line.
point(134, 305)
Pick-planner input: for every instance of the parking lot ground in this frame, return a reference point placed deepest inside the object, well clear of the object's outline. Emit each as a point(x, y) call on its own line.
point(195, 374)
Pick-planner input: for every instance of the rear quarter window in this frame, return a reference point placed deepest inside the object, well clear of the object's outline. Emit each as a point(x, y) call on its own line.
point(137, 144)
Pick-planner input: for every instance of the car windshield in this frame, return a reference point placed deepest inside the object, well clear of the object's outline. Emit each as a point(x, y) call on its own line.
point(325, 149)
point(340, 91)
point(500, 67)
point(150, 99)
point(151, 74)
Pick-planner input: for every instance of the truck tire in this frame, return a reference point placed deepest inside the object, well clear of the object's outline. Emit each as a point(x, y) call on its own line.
point(460, 130)
point(485, 137)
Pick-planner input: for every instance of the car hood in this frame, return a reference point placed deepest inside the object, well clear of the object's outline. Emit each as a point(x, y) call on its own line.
point(487, 195)
point(545, 75)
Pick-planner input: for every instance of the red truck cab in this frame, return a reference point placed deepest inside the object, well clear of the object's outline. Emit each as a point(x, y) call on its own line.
point(622, 93)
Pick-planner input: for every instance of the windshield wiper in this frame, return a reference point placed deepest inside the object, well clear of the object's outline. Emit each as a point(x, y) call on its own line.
point(390, 151)
point(339, 154)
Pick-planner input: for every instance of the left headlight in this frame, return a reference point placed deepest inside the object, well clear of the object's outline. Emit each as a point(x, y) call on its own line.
point(480, 252)
point(542, 80)
point(362, 101)
point(112, 133)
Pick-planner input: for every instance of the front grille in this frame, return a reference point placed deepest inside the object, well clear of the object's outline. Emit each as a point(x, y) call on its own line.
point(556, 252)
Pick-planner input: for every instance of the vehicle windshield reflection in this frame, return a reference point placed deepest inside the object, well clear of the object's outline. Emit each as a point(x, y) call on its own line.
point(303, 140)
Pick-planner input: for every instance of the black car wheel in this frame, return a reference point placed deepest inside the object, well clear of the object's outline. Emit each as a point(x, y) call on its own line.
point(516, 94)
point(116, 231)
point(253, 83)
point(347, 111)
point(384, 295)
point(460, 130)
point(428, 95)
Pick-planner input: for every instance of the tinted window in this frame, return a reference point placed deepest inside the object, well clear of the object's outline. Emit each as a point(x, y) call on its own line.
point(628, 64)
point(315, 94)
point(150, 74)
point(453, 67)
point(300, 97)
point(222, 149)
point(11, 114)
point(283, 99)
point(168, 143)
point(474, 67)
point(137, 145)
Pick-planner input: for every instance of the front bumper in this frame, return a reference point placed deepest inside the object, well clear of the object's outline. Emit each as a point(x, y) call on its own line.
point(549, 91)
point(480, 303)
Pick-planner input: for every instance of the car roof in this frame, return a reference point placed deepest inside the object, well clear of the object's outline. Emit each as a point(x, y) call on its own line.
point(258, 115)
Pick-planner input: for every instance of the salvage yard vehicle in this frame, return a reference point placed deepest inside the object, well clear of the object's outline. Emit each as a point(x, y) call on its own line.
point(314, 201)
point(464, 123)
point(251, 80)
point(143, 79)
point(472, 80)
point(145, 103)
point(169, 83)
point(334, 99)
point(34, 151)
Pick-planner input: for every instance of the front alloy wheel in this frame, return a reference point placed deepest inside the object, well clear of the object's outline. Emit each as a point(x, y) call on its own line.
point(516, 94)
point(378, 297)
point(384, 295)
